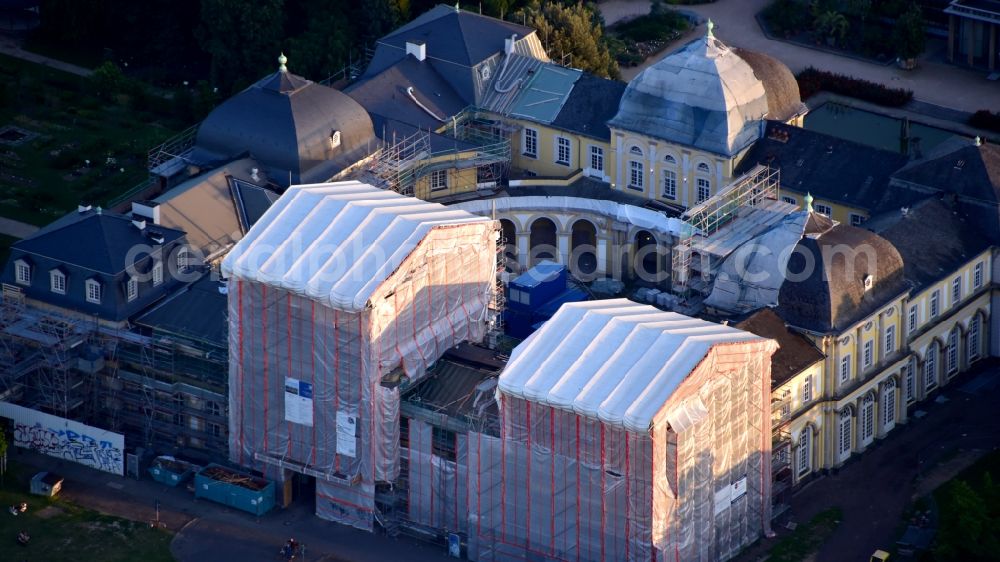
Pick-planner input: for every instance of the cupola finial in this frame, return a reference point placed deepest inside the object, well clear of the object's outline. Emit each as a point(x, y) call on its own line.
point(709, 26)
point(809, 203)
point(282, 60)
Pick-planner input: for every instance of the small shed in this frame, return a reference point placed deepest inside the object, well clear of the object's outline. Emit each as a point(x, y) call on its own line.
point(46, 484)
point(170, 471)
point(235, 489)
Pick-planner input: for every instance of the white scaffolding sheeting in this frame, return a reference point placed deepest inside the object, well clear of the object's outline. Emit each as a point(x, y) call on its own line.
point(627, 434)
point(337, 286)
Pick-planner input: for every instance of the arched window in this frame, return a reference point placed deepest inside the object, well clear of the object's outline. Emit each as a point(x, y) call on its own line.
point(542, 241)
point(635, 150)
point(703, 167)
point(930, 367)
point(804, 455)
point(867, 423)
point(972, 339)
point(583, 237)
point(952, 352)
point(909, 380)
point(670, 159)
point(888, 404)
point(844, 434)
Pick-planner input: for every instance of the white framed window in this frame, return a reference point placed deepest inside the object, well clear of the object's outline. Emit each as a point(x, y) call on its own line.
point(804, 452)
point(977, 275)
point(703, 167)
point(823, 209)
point(531, 143)
point(956, 290)
point(911, 320)
point(563, 150)
point(93, 288)
point(22, 272)
point(132, 289)
point(845, 368)
point(868, 355)
point(635, 175)
point(789, 200)
point(157, 273)
point(972, 339)
point(635, 150)
point(890, 340)
point(786, 403)
point(888, 404)
point(867, 418)
point(669, 159)
point(807, 390)
point(930, 367)
point(439, 180)
point(670, 184)
point(935, 303)
point(951, 354)
point(844, 434)
point(857, 219)
point(909, 380)
point(57, 282)
point(704, 189)
point(596, 159)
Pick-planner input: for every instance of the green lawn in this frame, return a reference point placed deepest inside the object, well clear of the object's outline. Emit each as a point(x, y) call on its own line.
point(61, 531)
point(46, 176)
point(807, 538)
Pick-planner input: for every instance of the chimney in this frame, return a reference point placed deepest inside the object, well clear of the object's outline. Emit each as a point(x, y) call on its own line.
point(139, 223)
point(148, 210)
point(417, 48)
point(508, 44)
point(83, 208)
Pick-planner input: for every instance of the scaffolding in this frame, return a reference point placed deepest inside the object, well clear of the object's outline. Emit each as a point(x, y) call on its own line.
point(750, 190)
point(174, 151)
point(398, 163)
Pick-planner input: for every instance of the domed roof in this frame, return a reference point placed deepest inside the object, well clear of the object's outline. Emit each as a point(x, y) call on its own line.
point(826, 276)
point(298, 130)
point(783, 99)
point(703, 96)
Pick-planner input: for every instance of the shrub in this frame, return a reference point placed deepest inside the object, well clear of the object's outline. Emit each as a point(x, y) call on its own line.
point(812, 81)
point(985, 119)
point(910, 34)
point(653, 27)
point(786, 16)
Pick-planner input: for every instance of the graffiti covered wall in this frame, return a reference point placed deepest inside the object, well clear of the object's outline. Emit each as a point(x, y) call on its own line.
point(66, 439)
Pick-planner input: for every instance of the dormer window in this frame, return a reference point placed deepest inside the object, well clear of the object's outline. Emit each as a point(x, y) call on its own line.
point(93, 291)
point(22, 272)
point(869, 282)
point(57, 282)
point(334, 139)
point(132, 289)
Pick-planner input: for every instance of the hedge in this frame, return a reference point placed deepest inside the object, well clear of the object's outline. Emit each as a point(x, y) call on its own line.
point(812, 81)
point(985, 119)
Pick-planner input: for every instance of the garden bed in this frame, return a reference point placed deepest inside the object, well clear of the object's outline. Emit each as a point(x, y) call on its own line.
point(637, 39)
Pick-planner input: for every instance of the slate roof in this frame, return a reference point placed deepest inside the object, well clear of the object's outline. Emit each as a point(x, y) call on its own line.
point(197, 311)
point(795, 351)
point(934, 238)
point(95, 240)
point(830, 296)
point(385, 94)
point(830, 168)
point(967, 170)
point(589, 107)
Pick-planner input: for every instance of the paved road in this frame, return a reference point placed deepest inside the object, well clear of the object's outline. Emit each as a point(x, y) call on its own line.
point(17, 229)
point(874, 490)
point(12, 47)
point(933, 81)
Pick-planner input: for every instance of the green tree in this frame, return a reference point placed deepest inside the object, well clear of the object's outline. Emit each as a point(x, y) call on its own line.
point(832, 25)
point(108, 80)
point(965, 524)
point(325, 46)
point(572, 34)
point(242, 38)
point(910, 36)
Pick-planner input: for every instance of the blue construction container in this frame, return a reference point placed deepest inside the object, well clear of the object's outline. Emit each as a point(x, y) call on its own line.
point(235, 489)
point(537, 286)
point(517, 323)
point(549, 309)
point(171, 471)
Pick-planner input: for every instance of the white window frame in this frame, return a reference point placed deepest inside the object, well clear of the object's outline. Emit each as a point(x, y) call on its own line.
point(909, 381)
point(972, 339)
point(94, 291)
point(868, 353)
point(977, 275)
point(131, 289)
point(890, 340)
point(913, 319)
point(22, 272)
point(703, 167)
point(930, 368)
point(564, 146)
point(935, 303)
point(597, 159)
point(956, 290)
point(845, 368)
point(822, 209)
point(807, 389)
point(888, 404)
point(789, 200)
point(867, 423)
point(530, 142)
point(438, 180)
point(57, 282)
point(951, 353)
point(804, 464)
point(636, 171)
point(703, 184)
point(856, 219)
point(669, 184)
point(157, 273)
point(844, 434)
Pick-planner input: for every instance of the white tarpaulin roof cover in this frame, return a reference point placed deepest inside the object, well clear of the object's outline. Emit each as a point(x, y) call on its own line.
point(337, 242)
point(614, 360)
